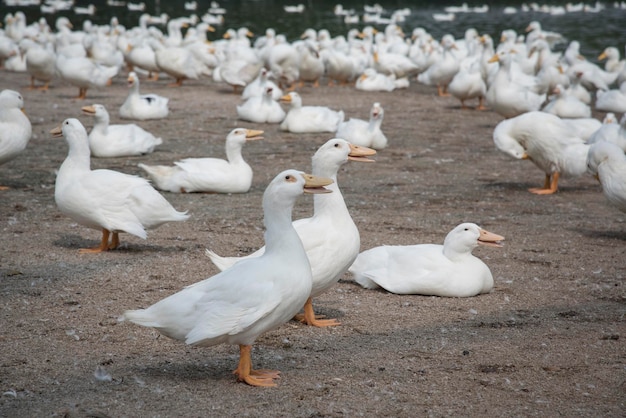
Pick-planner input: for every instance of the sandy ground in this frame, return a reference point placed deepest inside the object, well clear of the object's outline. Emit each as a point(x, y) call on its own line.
point(548, 341)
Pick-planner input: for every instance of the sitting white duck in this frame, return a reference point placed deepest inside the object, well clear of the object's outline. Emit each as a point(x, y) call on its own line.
point(309, 119)
point(612, 100)
point(105, 199)
point(551, 143)
point(565, 105)
point(142, 106)
point(610, 131)
point(107, 140)
point(607, 162)
point(211, 175)
point(449, 270)
point(365, 133)
point(371, 80)
point(15, 128)
point(330, 237)
point(259, 85)
point(261, 109)
point(251, 298)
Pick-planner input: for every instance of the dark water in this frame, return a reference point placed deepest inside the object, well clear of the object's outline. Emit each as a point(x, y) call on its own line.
point(594, 31)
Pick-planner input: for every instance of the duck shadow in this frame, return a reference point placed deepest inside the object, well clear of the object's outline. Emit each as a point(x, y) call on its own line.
point(613, 235)
point(76, 242)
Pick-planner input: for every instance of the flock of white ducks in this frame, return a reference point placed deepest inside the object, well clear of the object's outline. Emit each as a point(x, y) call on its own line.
point(515, 79)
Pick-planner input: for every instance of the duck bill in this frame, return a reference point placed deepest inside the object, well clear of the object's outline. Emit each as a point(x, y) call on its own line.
point(493, 59)
point(88, 110)
point(56, 132)
point(315, 184)
point(253, 135)
point(490, 239)
point(286, 98)
point(358, 153)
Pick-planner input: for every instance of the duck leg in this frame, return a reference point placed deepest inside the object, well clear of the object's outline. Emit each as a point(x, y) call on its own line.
point(104, 244)
point(177, 83)
point(82, 93)
point(115, 241)
point(442, 91)
point(309, 317)
point(549, 187)
point(245, 373)
point(481, 104)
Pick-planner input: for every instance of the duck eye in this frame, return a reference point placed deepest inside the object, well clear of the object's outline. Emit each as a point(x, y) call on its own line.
point(337, 145)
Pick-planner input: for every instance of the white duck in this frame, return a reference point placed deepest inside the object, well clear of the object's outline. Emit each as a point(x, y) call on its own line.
point(468, 84)
point(309, 119)
point(371, 80)
point(212, 175)
point(41, 62)
point(551, 143)
point(105, 199)
point(261, 109)
point(607, 162)
point(505, 95)
point(611, 132)
point(441, 72)
point(612, 100)
point(255, 296)
point(142, 106)
point(449, 270)
point(258, 86)
point(565, 105)
point(15, 128)
point(330, 237)
point(107, 140)
point(311, 67)
point(365, 133)
point(84, 73)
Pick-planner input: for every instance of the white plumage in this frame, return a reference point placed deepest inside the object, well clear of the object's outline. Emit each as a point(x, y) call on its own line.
point(233, 175)
point(142, 106)
point(365, 133)
point(330, 237)
point(107, 140)
point(429, 269)
point(105, 199)
point(254, 296)
point(309, 119)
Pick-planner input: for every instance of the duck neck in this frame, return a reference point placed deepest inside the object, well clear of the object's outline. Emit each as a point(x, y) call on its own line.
point(101, 124)
point(233, 153)
point(78, 158)
point(280, 236)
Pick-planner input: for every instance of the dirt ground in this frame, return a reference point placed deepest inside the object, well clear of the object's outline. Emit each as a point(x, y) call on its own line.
point(548, 341)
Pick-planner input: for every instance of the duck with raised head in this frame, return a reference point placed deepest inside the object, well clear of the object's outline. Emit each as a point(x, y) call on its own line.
point(252, 297)
point(449, 270)
point(106, 200)
point(15, 127)
point(142, 106)
point(330, 237)
point(209, 175)
point(309, 119)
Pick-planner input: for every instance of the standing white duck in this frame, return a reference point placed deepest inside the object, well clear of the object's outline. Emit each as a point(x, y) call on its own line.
point(449, 270)
point(365, 133)
point(117, 140)
point(261, 109)
point(330, 237)
point(607, 162)
point(84, 73)
point(442, 71)
point(508, 97)
point(551, 143)
point(309, 119)
point(212, 175)
point(15, 128)
point(105, 199)
point(142, 106)
point(251, 298)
